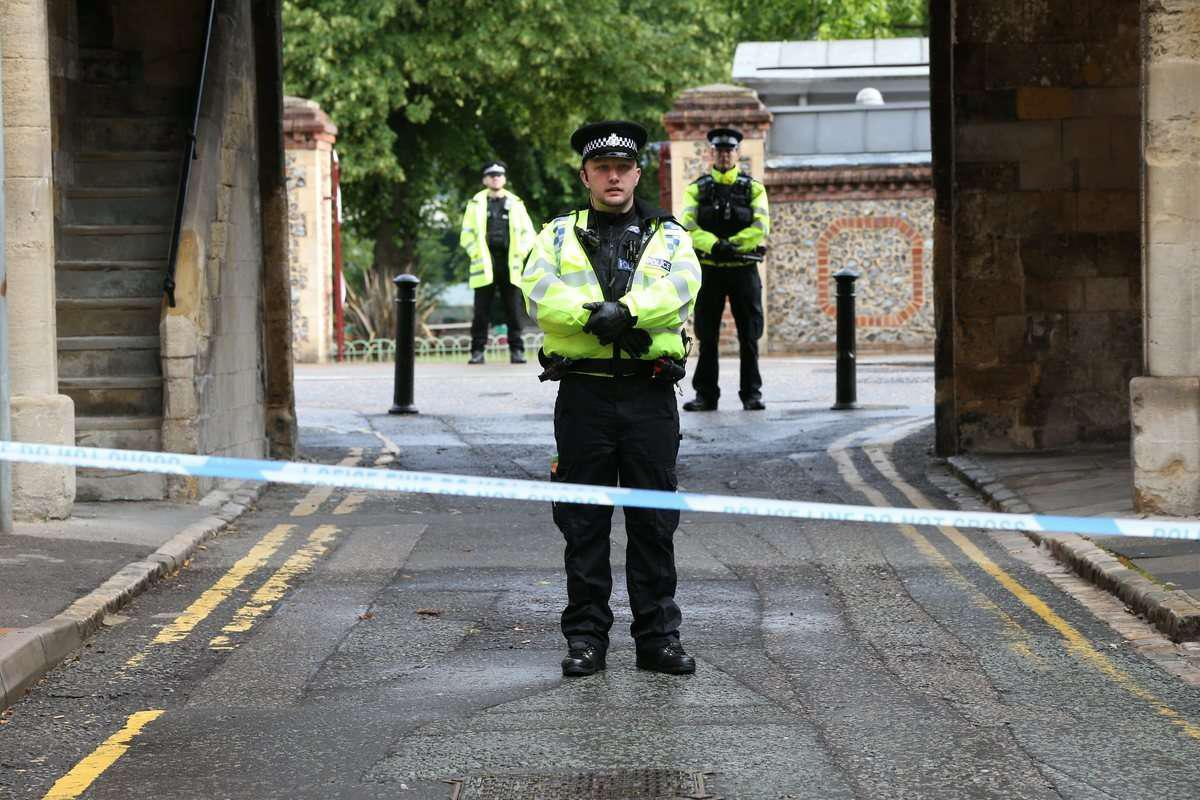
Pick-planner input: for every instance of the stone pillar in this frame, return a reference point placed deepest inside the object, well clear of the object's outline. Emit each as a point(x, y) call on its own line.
point(39, 412)
point(1166, 402)
point(694, 113)
point(308, 138)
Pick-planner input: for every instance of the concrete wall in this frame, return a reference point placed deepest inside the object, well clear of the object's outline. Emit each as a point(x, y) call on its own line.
point(39, 412)
point(1045, 267)
point(212, 339)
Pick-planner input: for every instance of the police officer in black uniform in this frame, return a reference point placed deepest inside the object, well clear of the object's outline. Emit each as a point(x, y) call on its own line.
point(611, 287)
point(726, 212)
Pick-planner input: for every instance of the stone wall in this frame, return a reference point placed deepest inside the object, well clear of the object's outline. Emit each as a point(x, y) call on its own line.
point(1044, 270)
point(875, 221)
point(212, 339)
point(308, 137)
point(39, 412)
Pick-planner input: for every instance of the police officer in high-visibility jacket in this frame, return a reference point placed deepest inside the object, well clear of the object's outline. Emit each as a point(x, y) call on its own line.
point(497, 234)
point(726, 212)
point(611, 286)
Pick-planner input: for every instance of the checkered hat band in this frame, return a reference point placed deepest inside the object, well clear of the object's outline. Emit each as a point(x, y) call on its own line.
point(611, 141)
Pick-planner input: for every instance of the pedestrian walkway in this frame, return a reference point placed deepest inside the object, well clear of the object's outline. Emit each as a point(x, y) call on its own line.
point(59, 580)
point(1156, 576)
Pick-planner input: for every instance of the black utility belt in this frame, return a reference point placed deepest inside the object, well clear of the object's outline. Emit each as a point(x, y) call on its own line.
point(660, 370)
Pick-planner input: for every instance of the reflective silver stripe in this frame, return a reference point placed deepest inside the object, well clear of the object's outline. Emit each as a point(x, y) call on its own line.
point(758, 223)
point(688, 266)
point(689, 209)
point(539, 290)
point(578, 279)
point(657, 331)
point(540, 265)
point(533, 310)
point(682, 288)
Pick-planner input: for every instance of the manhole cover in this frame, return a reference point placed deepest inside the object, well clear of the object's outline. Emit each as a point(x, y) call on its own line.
point(625, 784)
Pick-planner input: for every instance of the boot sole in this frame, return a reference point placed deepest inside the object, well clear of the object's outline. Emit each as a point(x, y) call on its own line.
point(678, 671)
point(569, 672)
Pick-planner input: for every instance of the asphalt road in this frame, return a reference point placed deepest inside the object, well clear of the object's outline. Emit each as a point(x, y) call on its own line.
point(354, 646)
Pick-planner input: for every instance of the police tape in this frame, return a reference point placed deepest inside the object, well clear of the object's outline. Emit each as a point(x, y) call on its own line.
point(400, 481)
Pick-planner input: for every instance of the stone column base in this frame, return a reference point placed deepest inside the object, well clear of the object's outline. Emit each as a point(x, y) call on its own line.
point(1166, 445)
point(43, 491)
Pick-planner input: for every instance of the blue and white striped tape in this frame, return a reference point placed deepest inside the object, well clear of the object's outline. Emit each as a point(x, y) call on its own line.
point(388, 480)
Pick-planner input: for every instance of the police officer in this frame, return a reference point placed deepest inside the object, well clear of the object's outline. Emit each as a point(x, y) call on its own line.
point(497, 234)
point(726, 212)
point(611, 286)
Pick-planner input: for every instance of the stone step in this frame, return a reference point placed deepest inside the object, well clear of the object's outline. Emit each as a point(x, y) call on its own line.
point(108, 279)
point(120, 205)
point(155, 132)
point(98, 425)
point(109, 316)
point(115, 242)
point(137, 396)
point(104, 99)
point(122, 433)
point(105, 65)
point(88, 356)
point(128, 167)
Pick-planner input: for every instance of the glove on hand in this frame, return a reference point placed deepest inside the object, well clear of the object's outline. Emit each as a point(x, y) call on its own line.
point(608, 320)
point(634, 341)
point(724, 250)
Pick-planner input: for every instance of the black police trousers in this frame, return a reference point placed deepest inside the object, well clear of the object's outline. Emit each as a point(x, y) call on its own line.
point(618, 432)
point(743, 287)
point(510, 298)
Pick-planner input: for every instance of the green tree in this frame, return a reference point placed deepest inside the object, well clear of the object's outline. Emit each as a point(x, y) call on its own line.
point(423, 91)
point(799, 20)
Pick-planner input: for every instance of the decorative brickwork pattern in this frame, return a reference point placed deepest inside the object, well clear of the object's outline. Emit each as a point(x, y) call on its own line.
point(886, 240)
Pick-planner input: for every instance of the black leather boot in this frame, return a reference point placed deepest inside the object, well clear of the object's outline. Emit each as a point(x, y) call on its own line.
point(476, 357)
point(700, 404)
point(669, 658)
point(582, 659)
point(753, 404)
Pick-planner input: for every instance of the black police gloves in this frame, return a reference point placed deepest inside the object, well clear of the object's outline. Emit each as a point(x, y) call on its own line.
point(634, 341)
point(608, 320)
point(724, 249)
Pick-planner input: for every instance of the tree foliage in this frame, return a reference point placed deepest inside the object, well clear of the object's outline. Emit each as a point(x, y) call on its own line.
point(422, 91)
point(799, 20)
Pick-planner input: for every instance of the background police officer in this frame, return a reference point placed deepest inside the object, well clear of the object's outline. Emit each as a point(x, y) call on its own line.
point(497, 234)
point(611, 287)
point(726, 211)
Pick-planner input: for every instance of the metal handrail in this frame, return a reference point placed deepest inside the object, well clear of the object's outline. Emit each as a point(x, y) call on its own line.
point(189, 155)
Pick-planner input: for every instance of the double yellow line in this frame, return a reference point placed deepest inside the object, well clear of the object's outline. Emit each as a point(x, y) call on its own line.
point(85, 773)
point(879, 453)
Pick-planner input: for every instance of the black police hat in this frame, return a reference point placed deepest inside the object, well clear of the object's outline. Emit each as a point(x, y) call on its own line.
point(724, 138)
point(612, 139)
point(494, 166)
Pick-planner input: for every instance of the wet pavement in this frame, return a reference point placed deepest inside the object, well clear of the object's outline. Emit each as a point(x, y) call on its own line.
point(344, 645)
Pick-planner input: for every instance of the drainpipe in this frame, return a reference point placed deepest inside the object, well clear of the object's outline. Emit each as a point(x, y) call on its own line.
point(339, 317)
point(6, 518)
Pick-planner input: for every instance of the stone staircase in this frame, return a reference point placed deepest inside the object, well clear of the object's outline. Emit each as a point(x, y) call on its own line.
point(113, 238)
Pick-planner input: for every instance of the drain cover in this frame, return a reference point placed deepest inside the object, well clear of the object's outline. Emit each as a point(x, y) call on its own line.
point(624, 784)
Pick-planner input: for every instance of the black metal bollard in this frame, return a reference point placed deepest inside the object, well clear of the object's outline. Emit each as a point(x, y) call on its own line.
point(847, 392)
point(406, 330)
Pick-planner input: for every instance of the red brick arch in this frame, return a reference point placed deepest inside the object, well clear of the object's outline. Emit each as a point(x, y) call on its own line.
point(828, 304)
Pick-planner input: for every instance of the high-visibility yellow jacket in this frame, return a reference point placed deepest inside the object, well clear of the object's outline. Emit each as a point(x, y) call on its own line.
point(558, 279)
point(474, 238)
point(745, 240)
